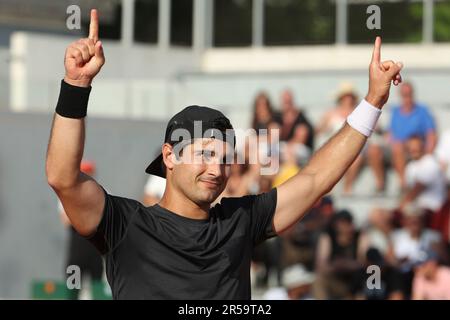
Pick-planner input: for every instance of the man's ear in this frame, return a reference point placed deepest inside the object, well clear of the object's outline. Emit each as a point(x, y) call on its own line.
point(168, 156)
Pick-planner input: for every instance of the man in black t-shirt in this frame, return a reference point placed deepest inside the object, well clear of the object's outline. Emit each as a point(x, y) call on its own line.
point(181, 248)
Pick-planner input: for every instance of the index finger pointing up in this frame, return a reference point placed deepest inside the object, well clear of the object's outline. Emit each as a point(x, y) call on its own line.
point(93, 26)
point(376, 55)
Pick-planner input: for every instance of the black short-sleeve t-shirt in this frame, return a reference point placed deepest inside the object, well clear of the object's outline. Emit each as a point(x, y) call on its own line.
point(153, 253)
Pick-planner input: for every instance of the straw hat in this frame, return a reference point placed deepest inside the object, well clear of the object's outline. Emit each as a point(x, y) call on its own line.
point(345, 89)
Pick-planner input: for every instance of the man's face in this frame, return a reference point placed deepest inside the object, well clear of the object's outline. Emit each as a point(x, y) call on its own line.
point(414, 225)
point(348, 100)
point(202, 172)
point(287, 100)
point(406, 94)
point(262, 108)
point(415, 148)
point(344, 227)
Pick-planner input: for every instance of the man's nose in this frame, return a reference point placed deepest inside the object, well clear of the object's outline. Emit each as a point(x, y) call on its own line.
point(216, 169)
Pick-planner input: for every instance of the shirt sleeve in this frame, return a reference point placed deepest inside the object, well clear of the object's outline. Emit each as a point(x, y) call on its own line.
point(117, 214)
point(443, 147)
point(430, 124)
point(257, 209)
point(428, 173)
point(261, 209)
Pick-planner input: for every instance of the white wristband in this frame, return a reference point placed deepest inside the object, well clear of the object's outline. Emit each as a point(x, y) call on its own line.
point(364, 118)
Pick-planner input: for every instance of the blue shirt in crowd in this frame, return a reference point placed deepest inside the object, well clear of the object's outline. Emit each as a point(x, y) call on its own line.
point(417, 122)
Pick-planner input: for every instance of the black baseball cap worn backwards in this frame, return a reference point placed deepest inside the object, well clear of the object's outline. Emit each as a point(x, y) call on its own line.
point(213, 124)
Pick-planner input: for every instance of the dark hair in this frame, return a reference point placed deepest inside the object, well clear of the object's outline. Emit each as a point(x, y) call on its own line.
point(343, 215)
point(326, 200)
point(374, 256)
point(222, 124)
point(420, 137)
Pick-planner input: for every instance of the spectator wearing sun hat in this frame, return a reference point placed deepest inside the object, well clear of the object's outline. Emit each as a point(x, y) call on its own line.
point(297, 285)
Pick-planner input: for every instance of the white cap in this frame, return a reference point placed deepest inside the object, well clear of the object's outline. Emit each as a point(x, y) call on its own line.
point(296, 276)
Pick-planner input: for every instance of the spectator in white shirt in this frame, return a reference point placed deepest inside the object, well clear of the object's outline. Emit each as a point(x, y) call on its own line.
point(443, 153)
point(413, 240)
point(410, 244)
point(424, 177)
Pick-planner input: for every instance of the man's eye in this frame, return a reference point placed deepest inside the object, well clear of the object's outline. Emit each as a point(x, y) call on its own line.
point(208, 154)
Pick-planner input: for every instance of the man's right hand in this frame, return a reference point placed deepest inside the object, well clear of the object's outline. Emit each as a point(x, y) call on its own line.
point(84, 58)
point(381, 75)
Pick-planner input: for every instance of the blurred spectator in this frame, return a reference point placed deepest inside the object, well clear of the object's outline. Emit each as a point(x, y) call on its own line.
point(266, 262)
point(390, 286)
point(443, 153)
point(295, 127)
point(332, 122)
point(431, 280)
point(300, 241)
point(154, 190)
point(407, 120)
point(297, 285)
point(263, 113)
point(288, 167)
point(340, 274)
point(80, 251)
point(441, 223)
point(266, 147)
point(326, 207)
point(378, 234)
point(373, 247)
point(299, 152)
point(424, 179)
point(410, 243)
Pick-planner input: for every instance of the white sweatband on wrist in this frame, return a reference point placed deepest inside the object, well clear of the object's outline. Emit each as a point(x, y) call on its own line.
point(364, 118)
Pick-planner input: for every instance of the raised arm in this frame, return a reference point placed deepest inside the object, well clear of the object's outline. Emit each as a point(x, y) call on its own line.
point(330, 162)
point(80, 195)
